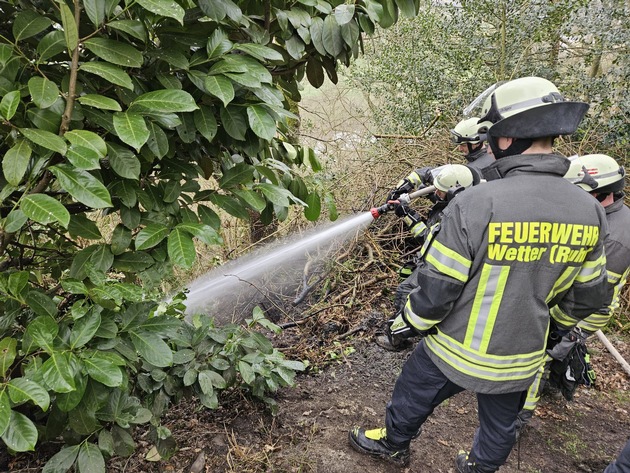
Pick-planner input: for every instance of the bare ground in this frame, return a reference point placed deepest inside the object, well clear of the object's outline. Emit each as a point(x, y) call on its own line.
point(309, 433)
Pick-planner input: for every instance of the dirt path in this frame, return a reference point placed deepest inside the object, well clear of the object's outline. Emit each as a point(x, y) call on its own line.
point(309, 434)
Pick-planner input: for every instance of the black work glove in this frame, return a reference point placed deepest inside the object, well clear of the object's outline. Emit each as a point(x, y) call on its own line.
point(426, 176)
point(404, 187)
point(409, 216)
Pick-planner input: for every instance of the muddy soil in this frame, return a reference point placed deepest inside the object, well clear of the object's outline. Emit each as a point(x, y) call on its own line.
point(309, 433)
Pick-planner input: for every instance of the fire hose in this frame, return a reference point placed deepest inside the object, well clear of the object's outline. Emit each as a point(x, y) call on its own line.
point(402, 200)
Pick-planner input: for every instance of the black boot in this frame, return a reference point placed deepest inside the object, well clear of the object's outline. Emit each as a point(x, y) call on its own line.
point(374, 442)
point(465, 465)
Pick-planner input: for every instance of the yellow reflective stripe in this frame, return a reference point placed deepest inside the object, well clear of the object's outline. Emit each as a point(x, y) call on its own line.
point(486, 306)
point(563, 282)
point(561, 318)
point(595, 322)
point(617, 290)
point(415, 320)
point(489, 367)
point(591, 269)
point(448, 261)
point(433, 230)
point(418, 229)
point(414, 178)
point(533, 393)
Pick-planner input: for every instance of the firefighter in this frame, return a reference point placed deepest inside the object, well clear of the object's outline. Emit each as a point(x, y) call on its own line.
point(604, 179)
point(450, 180)
point(471, 143)
point(497, 261)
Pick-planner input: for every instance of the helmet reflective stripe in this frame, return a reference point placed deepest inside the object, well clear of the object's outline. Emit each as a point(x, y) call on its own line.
point(529, 108)
point(597, 172)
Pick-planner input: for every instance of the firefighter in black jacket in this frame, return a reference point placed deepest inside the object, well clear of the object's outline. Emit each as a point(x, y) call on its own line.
point(603, 178)
point(500, 258)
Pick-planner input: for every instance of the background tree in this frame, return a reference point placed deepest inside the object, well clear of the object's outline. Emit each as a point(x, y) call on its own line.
point(120, 110)
point(453, 51)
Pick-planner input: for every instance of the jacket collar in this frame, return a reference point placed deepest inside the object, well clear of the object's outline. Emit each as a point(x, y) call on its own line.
point(617, 204)
point(527, 163)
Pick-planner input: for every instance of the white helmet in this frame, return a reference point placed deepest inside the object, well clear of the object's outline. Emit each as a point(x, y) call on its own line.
point(467, 131)
point(454, 177)
point(598, 173)
point(530, 107)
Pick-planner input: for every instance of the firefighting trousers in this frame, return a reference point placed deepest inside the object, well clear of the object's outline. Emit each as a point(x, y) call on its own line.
point(421, 387)
point(622, 464)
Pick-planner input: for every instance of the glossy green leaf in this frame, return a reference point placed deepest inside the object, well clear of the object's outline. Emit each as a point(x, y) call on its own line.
point(247, 373)
point(46, 119)
point(70, 29)
point(133, 28)
point(57, 373)
point(230, 205)
point(152, 348)
point(62, 461)
point(408, 8)
point(44, 209)
point(84, 158)
point(221, 87)
point(234, 121)
point(158, 141)
point(87, 139)
point(5, 412)
point(51, 45)
point(23, 390)
point(206, 122)
point(251, 198)
point(131, 129)
point(81, 226)
point(133, 261)
point(81, 185)
point(109, 72)
point(121, 239)
point(164, 101)
point(101, 369)
point(331, 36)
point(115, 52)
point(344, 13)
point(45, 139)
point(261, 122)
point(313, 211)
point(41, 303)
point(236, 175)
point(95, 10)
point(205, 233)
point(218, 44)
point(99, 101)
point(28, 23)
point(181, 249)
point(14, 221)
point(16, 161)
point(9, 104)
point(17, 281)
point(84, 329)
point(7, 355)
point(276, 194)
point(151, 235)
point(90, 459)
point(21, 434)
point(260, 52)
point(165, 8)
point(124, 162)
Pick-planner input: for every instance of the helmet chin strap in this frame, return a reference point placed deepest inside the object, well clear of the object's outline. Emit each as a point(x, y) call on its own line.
point(517, 147)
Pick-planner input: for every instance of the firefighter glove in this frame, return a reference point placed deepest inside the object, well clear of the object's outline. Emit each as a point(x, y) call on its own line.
point(404, 187)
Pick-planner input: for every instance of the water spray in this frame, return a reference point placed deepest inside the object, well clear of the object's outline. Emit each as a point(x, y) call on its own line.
point(404, 199)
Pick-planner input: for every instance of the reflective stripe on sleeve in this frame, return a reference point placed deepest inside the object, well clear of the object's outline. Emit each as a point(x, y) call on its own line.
point(563, 282)
point(561, 318)
point(448, 261)
point(591, 269)
point(419, 323)
point(486, 306)
point(418, 228)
